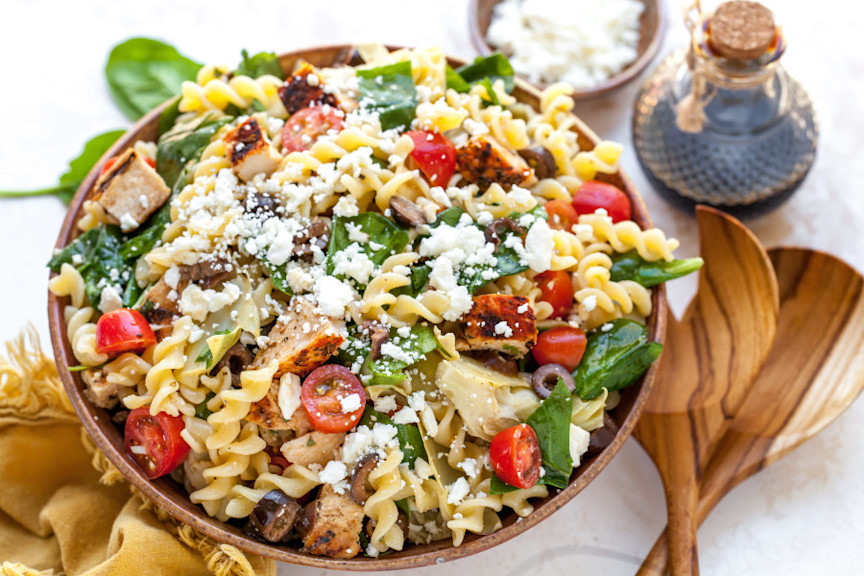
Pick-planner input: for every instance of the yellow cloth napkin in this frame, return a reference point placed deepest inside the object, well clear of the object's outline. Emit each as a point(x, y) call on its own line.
point(65, 509)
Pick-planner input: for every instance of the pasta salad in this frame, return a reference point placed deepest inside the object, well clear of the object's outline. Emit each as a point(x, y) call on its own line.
point(363, 305)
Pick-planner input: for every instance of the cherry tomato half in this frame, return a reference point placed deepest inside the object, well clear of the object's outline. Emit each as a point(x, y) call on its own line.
point(323, 394)
point(592, 195)
point(515, 456)
point(562, 345)
point(113, 160)
point(435, 155)
point(154, 442)
point(557, 289)
point(562, 215)
point(306, 125)
point(123, 330)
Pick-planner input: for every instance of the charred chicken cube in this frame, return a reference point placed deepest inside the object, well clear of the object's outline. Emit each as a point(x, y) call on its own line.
point(313, 448)
point(331, 524)
point(304, 89)
point(250, 152)
point(267, 414)
point(502, 323)
point(483, 161)
point(130, 191)
point(301, 340)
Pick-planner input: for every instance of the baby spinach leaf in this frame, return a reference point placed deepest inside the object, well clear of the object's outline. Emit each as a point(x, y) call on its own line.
point(494, 67)
point(551, 422)
point(631, 266)
point(100, 260)
point(183, 144)
point(614, 359)
point(385, 237)
point(498, 486)
point(79, 167)
point(169, 116)
point(279, 276)
point(456, 82)
point(143, 73)
point(408, 435)
point(419, 280)
point(201, 410)
point(403, 505)
point(450, 216)
point(491, 98)
point(150, 234)
point(389, 371)
point(261, 64)
point(390, 91)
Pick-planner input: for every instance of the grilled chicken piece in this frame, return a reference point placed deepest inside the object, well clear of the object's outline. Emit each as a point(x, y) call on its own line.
point(164, 308)
point(502, 323)
point(330, 526)
point(267, 414)
point(98, 390)
point(130, 191)
point(304, 89)
point(483, 161)
point(301, 340)
point(313, 448)
point(250, 152)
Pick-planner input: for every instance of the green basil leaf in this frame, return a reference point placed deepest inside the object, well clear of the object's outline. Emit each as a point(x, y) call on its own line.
point(631, 266)
point(385, 237)
point(389, 371)
point(498, 486)
point(614, 359)
point(143, 73)
point(261, 64)
point(551, 422)
point(79, 167)
point(183, 144)
point(494, 67)
point(408, 435)
point(390, 91)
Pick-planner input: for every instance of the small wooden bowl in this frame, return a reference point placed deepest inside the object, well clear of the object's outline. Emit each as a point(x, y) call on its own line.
point(652, 25)
point(172, 496)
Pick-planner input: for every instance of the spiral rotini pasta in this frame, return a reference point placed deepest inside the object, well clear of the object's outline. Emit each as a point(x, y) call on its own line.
point(348, 293)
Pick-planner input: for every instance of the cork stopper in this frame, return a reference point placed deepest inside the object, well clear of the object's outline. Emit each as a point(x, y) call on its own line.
point(741, 30)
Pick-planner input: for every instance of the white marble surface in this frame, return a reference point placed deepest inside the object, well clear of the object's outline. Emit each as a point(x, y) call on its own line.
point(805, 515)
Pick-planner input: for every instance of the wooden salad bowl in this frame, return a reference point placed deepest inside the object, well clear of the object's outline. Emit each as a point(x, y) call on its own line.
point(651, 25)
point(173, 497)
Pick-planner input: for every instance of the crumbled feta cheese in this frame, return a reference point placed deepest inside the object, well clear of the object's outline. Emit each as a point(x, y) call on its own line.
point(334, 472)
point(289, 395)
point(110, 299)
point(365, 441)
point(539, 247)
point(406, 416)
point(332, 296)
point(579, 439)
point(172, 276)
point(350, 403)
point(470, 466)
point(385, 404)
point(128, 223)
point(590, 303)
point(503, 329)
point(457, 491)
point(606, 327)
point(346, 207)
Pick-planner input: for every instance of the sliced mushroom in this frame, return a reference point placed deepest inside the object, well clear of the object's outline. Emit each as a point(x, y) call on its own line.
point(406, 213)
point(316, 234)
point(603, 437)
point(496, 362)
point(236, 359)
point(541, 160)
point(207, 273)
point(546, 378)
point(498, 226)
point(359, 492)
point(274, 516)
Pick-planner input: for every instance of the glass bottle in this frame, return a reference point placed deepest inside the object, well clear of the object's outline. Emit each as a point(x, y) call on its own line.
point(722, 123)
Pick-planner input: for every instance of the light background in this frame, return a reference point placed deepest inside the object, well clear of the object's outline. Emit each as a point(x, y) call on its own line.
point(805, 515)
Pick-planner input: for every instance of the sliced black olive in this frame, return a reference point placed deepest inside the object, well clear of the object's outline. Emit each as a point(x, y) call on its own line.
point(406, 213)
point(261, 204)
point(602, 437)
point(498, 226)
point(274, 515)
point(546, 377)
point(306, 519)
point(402, 522)
point(236, 359)
point(359, 492)
point(316, 234)
point(541, 160)
point(496, 362)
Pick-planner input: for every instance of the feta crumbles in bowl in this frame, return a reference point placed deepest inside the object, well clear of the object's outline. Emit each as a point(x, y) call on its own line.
point(344, 314)
point(594, 45)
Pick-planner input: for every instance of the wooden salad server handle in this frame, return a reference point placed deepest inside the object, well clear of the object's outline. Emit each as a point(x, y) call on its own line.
point(814, 372)
point(711, 357)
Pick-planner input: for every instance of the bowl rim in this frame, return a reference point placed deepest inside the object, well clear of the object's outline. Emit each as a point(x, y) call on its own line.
point(634, 69)
point(165, 492)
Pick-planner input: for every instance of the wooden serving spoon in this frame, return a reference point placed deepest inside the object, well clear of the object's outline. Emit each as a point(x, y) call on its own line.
point(814, 372)
point(712, 355)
